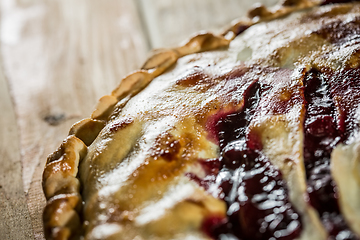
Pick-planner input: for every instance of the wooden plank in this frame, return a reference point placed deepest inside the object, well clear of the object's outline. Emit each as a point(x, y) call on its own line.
point(169, 22)
point(60, 56)
point(14, 215)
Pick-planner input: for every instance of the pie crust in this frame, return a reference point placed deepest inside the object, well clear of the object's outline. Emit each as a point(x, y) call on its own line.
point(145, 165)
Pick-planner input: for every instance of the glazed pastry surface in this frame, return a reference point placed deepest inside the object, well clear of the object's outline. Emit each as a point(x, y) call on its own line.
point(249, 140)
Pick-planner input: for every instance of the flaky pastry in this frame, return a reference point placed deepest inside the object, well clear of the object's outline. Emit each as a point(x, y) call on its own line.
point(250, 134)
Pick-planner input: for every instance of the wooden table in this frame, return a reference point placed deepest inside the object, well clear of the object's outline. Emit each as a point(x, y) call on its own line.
point(57, 58)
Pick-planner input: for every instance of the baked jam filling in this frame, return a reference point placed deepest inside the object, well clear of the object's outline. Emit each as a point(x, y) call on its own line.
point(255, 193)
point(325, 126)
point(258, 205)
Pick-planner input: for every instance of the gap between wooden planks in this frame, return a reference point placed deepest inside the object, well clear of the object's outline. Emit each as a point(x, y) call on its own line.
point(58, 58)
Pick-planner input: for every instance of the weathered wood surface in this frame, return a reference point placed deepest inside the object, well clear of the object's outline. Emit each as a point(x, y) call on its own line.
point(58, 57)
point(170, 21)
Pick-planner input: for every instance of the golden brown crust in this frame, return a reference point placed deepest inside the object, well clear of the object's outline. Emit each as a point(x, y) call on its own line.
point(260, 13)
point(61, 218)
point(104, 107)
point(161, 60)
point(87, 129)
point(60, 183)
point(62, 189)
point(345, 168)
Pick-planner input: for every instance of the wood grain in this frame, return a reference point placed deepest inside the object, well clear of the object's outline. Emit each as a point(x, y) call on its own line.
point(14, 215)
point(58, 58)
point(170, 21)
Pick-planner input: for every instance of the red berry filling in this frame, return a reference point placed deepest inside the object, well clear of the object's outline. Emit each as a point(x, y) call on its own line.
point(255, 193)
point(322, 134)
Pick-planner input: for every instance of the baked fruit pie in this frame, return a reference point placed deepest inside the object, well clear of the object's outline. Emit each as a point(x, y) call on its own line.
point(252, 134)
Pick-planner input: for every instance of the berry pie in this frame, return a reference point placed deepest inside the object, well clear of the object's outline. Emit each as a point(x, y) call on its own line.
point(252, 134)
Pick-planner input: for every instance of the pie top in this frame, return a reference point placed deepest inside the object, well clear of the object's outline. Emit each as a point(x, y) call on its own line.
point(253, 134)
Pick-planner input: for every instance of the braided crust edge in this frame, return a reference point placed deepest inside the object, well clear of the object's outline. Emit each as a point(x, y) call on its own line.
point(61, 186)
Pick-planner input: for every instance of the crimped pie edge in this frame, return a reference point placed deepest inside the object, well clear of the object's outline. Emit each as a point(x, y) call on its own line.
point(62, 214)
